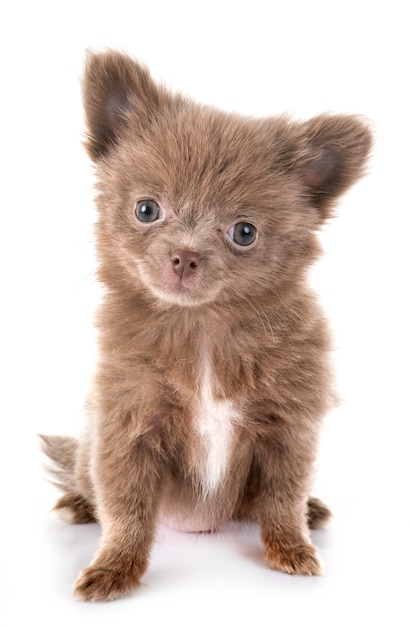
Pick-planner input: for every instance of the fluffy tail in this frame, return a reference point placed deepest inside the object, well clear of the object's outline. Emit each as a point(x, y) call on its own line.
point(72, 506)
point(62, 451)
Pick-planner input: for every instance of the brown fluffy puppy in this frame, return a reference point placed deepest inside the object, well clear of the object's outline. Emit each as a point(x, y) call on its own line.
point(213, 376)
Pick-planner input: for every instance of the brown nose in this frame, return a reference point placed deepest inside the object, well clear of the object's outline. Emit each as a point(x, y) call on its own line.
point(185, 262)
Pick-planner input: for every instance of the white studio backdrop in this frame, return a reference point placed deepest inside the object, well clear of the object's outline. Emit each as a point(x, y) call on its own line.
point(258, 58)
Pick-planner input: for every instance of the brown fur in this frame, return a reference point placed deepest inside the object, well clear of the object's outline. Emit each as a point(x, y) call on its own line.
point(199, 332)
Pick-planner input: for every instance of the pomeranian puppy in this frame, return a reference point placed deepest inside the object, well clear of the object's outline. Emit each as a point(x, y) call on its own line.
point(213, 376)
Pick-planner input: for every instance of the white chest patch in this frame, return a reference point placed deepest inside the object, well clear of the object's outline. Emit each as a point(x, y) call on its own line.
point(214, 424)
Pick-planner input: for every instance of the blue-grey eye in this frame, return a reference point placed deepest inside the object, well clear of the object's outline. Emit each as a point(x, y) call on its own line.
point(243, 233)
point(147, 211)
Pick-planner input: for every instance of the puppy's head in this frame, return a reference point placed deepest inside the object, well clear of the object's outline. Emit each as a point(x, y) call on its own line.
point(198, 206)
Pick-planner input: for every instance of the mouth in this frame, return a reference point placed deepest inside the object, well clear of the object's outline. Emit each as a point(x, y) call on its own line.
point(180, 295)
point(186, 291)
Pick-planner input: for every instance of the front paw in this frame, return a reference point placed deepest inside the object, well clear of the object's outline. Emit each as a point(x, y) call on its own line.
point(302, 560)
point(100, 584)
point(289, 551)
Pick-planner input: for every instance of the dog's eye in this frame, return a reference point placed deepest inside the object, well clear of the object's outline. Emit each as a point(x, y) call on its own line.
point(243, 233)
point(147, 211)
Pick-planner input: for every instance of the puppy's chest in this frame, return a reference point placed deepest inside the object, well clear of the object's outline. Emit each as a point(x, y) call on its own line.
point(213, 425)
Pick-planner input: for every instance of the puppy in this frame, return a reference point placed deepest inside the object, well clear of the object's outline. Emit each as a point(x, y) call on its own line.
point(213, 376)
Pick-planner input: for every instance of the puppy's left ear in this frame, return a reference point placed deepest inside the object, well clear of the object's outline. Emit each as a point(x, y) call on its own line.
point(334, 157)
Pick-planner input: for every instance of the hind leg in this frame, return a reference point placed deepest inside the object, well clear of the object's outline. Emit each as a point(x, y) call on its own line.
point(317, 513)
point(75, 509)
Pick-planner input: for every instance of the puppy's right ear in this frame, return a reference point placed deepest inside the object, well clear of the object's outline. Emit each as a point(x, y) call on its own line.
point(117, 92)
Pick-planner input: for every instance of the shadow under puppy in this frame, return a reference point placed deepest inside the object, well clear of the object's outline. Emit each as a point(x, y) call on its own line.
point(213, 375)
